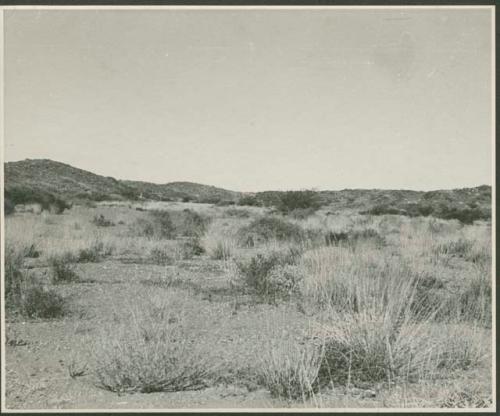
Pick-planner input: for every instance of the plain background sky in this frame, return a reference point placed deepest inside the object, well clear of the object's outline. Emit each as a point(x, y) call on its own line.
point(255, 99)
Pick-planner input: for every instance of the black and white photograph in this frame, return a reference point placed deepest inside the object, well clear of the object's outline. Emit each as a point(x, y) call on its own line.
point(248, 208)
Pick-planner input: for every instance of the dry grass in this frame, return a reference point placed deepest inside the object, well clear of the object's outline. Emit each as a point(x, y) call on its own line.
point(150, 347)
point(411, 309)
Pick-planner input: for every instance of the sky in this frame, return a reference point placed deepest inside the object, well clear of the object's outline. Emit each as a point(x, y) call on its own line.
point(254, 100)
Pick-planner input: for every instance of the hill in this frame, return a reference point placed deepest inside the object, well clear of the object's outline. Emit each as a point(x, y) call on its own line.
point(44, 181)
point(70, 183)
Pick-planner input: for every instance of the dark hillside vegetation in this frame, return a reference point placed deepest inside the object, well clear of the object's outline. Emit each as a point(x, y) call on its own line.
point(57, 185)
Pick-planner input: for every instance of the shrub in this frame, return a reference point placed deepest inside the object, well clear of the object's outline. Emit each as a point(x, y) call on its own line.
point(466, 397)
point(163, 224)
point(353, 237)
point(31, 252)
point(194, 224)
point(271, 275)
point(94, 253)
point(210, 200)
point(100, 221)
point(225, 203)
point(270, 228)
point(235, 212)
point(8, 206)
point(160, 256)
point(302, 213)
point(48, 201)
point(464, 215)
point(14, 277)
point(250, 201)
point(63, 269)
point(334, 238)
point(298, 200)
point(383, 210)
point(42, 303)
point(23, 294)
point(191, 247)
point(158, 224)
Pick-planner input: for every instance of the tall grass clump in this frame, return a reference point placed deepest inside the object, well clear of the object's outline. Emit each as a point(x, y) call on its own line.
point(24, 295)
point(96, 252)
point(473, 303)
point(269, 228)
point(152, 349)
point(377, 328)
point(219, 241)
point(290, 371)
point(63, 269)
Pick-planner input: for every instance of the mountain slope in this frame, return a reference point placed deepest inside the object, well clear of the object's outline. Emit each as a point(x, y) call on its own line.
point(68, 182)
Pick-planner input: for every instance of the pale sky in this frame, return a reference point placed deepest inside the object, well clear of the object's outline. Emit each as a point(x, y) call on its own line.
point(255, 100)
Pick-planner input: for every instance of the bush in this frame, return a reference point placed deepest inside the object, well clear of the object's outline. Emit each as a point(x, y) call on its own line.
point(42, 303)
point(158, 224)
point(353, 237)
point(191, 247)
point(163, 224)
point(160, 256)
point(383, 210)
point(298, 200)
point(464, 215)
point(8, 206)
point(100, 221)
point(302, 213)
point(24, 295)
point(31, 252)
point(15, 279)
point(94, 253)
point(194, 224)
point(225, 203)
point(270, 228)
point(271, 275)
point(238, 213)
point(48, 201)
point(63, 269)
point(250, 201)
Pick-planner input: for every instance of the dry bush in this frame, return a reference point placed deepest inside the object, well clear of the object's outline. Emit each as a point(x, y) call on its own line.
point(94, 253)
point(26, 296)
point(271, 274)
point(101, 221)
point(63, 269)
point(269, 228)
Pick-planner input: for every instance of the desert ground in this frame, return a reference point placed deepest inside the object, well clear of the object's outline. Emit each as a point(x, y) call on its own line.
point(157, 305)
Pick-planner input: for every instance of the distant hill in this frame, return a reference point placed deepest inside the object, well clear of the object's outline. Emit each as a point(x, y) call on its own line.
point(45, 177)
point(396, 201)
point(70, 183)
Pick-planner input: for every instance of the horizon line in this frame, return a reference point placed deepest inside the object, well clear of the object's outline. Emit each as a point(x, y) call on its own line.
point(312, 188)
